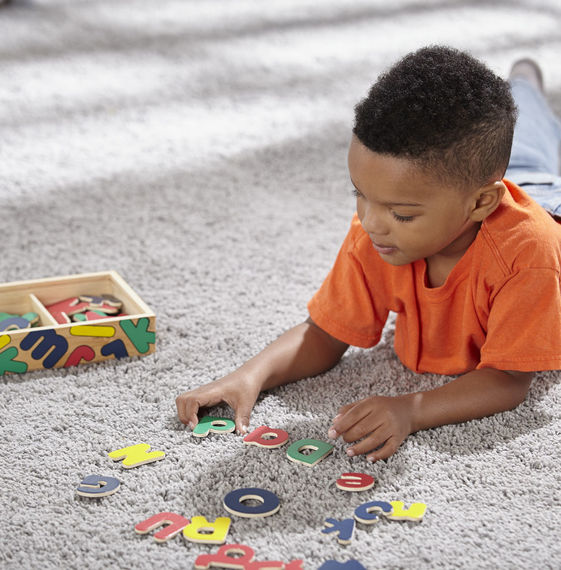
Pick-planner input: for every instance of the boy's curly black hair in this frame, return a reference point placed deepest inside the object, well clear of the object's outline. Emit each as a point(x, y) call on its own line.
point(444, 110)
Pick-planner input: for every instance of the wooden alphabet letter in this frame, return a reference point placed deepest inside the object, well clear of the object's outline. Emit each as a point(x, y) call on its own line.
point(218, 530)
point(174, 525)
point(136, 455)
point(344, 529)
point(320, 450)
point(259, 437)
point(95, 486)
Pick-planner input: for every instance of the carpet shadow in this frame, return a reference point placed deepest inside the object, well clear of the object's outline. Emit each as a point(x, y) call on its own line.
point(469, 438)
point(126, 41)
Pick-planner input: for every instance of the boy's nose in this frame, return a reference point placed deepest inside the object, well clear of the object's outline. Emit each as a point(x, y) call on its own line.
point(373, 222)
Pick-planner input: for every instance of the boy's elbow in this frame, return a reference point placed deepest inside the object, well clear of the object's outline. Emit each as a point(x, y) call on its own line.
point(335, 347)
point(522, 381)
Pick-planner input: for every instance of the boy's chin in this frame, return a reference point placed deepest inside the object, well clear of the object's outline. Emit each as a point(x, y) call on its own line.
point(397, 258)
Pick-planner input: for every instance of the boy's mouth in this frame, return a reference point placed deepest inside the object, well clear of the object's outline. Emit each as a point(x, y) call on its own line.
point(384, 249)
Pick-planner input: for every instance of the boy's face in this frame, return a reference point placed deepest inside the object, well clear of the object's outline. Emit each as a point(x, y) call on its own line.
point(408, 215)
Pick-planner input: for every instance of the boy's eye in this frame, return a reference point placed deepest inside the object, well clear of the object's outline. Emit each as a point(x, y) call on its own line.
point(402, 218)
point(356, 193)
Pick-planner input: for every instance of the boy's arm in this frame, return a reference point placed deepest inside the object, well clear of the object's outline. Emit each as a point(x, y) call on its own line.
point(477, 394)
point(301, 352)
point(387, 421)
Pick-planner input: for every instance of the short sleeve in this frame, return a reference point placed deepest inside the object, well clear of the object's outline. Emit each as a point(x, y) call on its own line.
point(524, 325)
point(344, 305)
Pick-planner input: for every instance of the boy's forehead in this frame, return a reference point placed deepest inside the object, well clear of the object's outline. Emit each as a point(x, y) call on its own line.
point(387, 174)
point(361, 158)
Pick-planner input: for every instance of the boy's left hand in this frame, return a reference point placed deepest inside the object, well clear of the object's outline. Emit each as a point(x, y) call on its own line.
point(384, 422)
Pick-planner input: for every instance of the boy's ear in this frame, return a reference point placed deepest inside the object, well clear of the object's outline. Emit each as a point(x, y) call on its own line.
point(487, 200)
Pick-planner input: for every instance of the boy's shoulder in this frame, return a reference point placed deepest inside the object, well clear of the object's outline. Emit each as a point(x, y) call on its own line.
point(520, 234)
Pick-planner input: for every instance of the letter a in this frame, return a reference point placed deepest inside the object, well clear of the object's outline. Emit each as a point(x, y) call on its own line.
point(320, 450)
point(258, 437)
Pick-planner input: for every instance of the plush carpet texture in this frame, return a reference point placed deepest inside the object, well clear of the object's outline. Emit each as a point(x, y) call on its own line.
point(199, 148)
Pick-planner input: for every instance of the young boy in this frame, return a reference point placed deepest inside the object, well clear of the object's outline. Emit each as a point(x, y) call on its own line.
point(470, 264)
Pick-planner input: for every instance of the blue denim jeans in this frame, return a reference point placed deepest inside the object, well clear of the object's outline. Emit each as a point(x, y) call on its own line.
point(534, 160)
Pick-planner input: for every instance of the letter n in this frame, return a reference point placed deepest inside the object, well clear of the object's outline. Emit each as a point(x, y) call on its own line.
point(136, 455)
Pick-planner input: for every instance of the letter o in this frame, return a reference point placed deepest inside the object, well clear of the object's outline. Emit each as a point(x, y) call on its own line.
point(269, 502)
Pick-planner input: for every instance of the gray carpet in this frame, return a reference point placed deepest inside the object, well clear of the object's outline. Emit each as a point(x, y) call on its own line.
point(199, 148)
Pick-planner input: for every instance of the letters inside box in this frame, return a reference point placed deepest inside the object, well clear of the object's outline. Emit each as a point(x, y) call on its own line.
point(49, 344)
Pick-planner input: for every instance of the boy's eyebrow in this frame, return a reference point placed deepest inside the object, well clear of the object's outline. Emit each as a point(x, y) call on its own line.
point(392, 203)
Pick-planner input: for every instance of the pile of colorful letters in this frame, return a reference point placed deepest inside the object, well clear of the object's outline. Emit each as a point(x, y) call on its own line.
point(251, 501)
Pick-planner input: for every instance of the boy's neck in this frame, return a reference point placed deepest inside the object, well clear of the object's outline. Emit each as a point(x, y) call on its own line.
point(440, 265)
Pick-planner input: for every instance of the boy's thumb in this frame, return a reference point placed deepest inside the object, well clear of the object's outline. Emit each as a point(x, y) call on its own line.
point(242, 419)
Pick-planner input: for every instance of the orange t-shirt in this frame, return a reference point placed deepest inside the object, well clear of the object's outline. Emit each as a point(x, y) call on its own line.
point(500, 306)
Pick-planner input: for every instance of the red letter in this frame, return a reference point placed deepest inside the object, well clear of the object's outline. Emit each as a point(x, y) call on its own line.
point(257, 437)
point(176, 523)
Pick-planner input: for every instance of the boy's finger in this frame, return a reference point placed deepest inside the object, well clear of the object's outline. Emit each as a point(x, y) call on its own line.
point(344, 409)
point(364, 426)
point(348, 416)
point(340, 426)
point(373, 441)
point(348, 420)
point(180, 405)
point(389, 448)
point(190, 403)
point(242, 417)
point(187, 408)
point(192, 416)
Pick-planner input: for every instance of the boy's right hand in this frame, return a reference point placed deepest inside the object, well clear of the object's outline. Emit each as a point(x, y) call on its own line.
point(301, 352)
point(236, 390)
